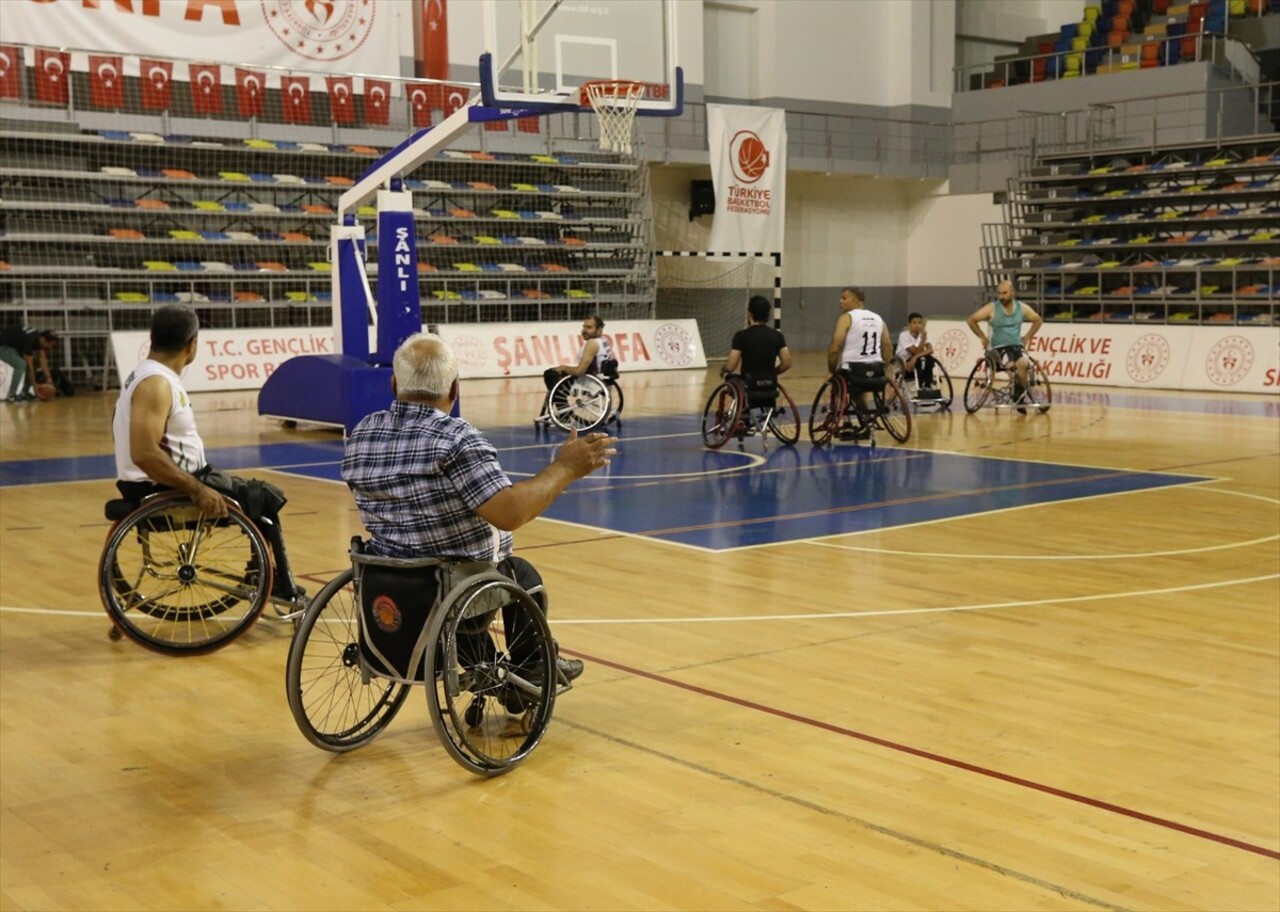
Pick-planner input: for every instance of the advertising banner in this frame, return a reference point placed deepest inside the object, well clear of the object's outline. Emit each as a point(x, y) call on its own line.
point(242, 359)
point(1222, 358)
point(337, 36)
point(748, 149)
point(528, 349)
point(229, 359)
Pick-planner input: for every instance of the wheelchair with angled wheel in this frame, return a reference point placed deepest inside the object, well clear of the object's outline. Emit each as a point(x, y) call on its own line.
point(993, 383)
point(585, 402)
point(937, 394)
point(181, 582)
point(839, 412)
point(479, 643)
point(743, 407)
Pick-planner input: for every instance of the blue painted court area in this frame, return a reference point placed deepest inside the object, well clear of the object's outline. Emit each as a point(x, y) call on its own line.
point(665, 485)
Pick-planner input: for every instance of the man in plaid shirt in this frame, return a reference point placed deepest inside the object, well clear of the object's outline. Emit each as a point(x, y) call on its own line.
point(429, 485)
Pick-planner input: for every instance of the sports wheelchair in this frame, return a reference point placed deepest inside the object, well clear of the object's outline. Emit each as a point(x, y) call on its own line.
point(387, 623)
point(584, 402)
point(994, 383)
point(938, 396)
point(743, 407)
point(839, 412)
point(181, 582)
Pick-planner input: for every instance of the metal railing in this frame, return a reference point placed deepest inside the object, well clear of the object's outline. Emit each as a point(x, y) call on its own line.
point(1236, 58)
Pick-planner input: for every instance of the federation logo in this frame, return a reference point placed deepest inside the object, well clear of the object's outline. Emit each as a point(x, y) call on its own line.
point(952, 349)
point(1147, 358)
point(1229, 361)
point(386, 614)
point(748, 156)
point(322, 30)
point(470, 352)
point(674, 345)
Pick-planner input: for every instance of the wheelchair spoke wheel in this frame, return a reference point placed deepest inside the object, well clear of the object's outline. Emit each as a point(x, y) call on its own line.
point(180, 582)
point(785, 420)
point(492, 678)
point(720, 417)
point(978, 388)
point(616, 400)
point(895, 411)
point(828, 411)
point(1040, 393)
point(578, 402)
point(337, 704)
point(942, 380)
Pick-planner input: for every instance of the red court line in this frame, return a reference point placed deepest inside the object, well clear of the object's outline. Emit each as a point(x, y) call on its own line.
point(939, 758)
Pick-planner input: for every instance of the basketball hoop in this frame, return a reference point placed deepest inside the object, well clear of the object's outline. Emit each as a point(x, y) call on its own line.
point(614, 102)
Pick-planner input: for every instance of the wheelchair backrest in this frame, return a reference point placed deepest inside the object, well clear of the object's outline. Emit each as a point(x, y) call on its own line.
point(609, 368)
point(762, 392)
point(865, 378)
point(396, 599)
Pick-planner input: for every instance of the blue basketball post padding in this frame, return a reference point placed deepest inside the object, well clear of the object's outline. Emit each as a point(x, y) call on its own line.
point(343, 388)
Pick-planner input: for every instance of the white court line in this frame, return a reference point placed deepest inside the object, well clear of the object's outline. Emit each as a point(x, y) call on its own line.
point(1200, 485)
point(824, 616)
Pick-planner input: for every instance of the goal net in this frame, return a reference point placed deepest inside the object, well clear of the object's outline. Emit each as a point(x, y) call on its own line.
point(714, 290)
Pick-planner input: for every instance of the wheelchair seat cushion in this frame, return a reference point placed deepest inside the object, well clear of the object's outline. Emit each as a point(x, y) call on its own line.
point(116, 510)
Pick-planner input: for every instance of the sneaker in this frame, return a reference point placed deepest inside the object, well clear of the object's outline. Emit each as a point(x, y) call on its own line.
point(570, 668)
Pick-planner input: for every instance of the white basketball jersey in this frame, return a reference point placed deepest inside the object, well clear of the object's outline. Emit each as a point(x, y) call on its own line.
point(181, 440)
point(862, 343)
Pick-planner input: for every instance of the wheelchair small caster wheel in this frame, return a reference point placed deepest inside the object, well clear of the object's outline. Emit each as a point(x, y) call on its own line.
point(113, 634)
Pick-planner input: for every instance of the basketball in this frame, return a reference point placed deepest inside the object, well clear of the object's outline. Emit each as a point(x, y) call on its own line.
point(45, 391)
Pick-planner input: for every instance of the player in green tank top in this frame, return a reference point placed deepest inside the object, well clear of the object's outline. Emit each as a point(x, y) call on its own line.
point(1006, 317)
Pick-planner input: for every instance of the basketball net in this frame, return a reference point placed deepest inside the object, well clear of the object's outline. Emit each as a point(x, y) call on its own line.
point(614, 103)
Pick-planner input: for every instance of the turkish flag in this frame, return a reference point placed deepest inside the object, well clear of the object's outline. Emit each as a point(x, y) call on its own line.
point(157, 81)
point(435, 39)
point(528, 124)
point(250, 87)
point(206, 88)
point(377, 101)
point(342, 100)
point(420, 99)
point(10, 71)
point(295, 96)
point(106, 81)
point(454, 98)
point(52, 74)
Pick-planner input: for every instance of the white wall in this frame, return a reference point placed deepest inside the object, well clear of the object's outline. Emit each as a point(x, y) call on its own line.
point(871, 52)
point(467, 39)
point(944, 234)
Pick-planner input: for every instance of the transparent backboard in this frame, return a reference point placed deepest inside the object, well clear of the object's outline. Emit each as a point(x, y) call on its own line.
point(540, 52)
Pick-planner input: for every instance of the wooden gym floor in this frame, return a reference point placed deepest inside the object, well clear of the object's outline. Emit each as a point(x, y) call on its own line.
point(1019, 702)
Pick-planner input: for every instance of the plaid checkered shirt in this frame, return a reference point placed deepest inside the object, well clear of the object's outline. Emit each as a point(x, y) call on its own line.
point(418, 476)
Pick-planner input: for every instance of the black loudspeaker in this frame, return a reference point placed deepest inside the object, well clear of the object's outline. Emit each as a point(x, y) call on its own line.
point(702, 198)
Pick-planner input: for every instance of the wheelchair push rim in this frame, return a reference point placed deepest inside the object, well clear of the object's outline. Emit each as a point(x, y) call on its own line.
point(336, 701)
point(579, 403)
point(180, 582)
point(489, 708)
point(721, 415)
point(785, 419)
point(828, 411)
